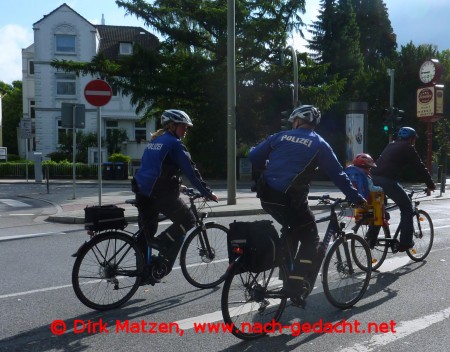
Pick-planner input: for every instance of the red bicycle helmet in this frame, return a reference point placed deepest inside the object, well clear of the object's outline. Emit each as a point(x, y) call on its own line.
point(364, 160)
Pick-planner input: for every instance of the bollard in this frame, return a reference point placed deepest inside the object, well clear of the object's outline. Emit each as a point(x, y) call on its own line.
point(47, 176)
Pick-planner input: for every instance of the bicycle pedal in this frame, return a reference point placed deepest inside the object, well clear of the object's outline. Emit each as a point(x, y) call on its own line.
point(298, 302)
point(263, 305)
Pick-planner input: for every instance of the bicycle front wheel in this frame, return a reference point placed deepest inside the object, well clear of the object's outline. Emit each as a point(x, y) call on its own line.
point(345, 282)
point(204, 256)
point(423, 236)
point(378, 251)
point(107, 271)
point(249, 300)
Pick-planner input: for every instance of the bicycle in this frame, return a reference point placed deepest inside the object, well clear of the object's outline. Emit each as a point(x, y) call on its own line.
point(423, 234)
point(110, 267)
point(251, 299)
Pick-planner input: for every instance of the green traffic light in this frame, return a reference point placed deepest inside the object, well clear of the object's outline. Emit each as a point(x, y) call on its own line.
point(385, 128)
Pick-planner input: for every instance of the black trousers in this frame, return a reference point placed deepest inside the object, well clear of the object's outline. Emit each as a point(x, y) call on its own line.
point(292, 211)
point(172, 206)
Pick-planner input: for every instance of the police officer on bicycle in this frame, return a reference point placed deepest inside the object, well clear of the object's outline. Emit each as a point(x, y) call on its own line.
point(288, 160)
point(157, 185)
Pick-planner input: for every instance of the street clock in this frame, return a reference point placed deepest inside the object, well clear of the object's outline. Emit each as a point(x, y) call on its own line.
point(430, 71)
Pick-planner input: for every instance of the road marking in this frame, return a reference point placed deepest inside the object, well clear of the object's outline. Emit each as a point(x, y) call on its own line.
point(14, 203)
point(393, 263)
point(403, 329)
point(31, 235)
point(34, 291)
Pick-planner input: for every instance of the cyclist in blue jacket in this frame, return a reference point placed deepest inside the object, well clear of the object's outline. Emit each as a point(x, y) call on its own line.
point(289, 159)
point(157, 185)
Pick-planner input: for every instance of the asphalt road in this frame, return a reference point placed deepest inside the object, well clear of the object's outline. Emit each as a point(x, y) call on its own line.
point(410, 301)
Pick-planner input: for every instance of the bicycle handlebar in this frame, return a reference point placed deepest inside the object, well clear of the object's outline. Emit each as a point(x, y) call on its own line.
point(192, 194)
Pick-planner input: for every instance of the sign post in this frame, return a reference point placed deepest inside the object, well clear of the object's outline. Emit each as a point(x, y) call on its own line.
point(98, 93)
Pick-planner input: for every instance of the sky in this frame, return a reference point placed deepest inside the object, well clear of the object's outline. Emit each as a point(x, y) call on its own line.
point(416, 21)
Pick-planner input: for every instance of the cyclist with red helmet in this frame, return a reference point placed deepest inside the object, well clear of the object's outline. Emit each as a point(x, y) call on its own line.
point(394, 159)
point(360, 174)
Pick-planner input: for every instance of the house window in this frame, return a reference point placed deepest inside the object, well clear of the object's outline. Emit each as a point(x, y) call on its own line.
point(65, 84)
point(140, 131)
point(110, 126)
point(31, 67)
point(125, 48)
point(32, 109)
point(65, 43)
point(62, 133)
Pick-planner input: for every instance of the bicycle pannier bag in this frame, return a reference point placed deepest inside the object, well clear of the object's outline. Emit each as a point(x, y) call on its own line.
point(260, 241)
point(104, 217)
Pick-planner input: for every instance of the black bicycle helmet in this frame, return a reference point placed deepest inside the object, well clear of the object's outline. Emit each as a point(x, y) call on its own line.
point(406, 133)
point(308, 113)
point(176, 116)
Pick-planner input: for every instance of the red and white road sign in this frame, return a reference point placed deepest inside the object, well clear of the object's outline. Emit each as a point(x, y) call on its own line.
point(98, 92)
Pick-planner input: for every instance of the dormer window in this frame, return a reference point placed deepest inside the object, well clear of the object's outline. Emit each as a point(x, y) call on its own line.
point(126, 48)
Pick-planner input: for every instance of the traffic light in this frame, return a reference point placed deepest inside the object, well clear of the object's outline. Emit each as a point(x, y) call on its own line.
point(285, 124)
point(387, 120)
point(397, 117)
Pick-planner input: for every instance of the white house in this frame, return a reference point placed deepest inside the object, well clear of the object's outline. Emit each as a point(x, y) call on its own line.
point(63, 34)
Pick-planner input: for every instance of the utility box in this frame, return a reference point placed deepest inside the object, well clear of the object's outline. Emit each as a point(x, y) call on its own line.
point(120, 171)
point(108, 171)
point(37, 166)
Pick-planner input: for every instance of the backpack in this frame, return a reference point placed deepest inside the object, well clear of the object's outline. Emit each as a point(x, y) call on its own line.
point(260, 241)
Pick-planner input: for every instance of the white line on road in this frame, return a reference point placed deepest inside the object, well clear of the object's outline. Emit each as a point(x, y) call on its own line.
point(34, 291)
point(403, 329)
point(14, 203)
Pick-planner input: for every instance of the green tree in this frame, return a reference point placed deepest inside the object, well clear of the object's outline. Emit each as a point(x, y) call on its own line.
point(12, 113)
point(377, 38)
point(335, 41)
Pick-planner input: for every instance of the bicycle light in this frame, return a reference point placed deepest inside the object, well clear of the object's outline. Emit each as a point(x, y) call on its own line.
point(238, 250)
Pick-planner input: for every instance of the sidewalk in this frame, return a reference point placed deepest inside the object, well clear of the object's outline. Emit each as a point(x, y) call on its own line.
point(71, 211)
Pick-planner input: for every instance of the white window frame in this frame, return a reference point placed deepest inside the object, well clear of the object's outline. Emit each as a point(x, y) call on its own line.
point(68, 48)
point(125, 48)
point(139, 127)
point(65, 84)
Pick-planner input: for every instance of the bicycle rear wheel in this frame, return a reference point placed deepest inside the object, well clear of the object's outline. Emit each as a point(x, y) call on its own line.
point(204, 256)
point(106, 273)
point(345, 282)
point(379, 250)
point(249, 300)
point(423, 236)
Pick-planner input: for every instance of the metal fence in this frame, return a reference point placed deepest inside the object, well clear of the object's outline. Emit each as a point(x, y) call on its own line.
point(19, 170)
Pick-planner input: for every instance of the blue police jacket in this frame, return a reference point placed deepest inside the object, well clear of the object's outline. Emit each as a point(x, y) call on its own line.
point(162, 161)
point(289, 158)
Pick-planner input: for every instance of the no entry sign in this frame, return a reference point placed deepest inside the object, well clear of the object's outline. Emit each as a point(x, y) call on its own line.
point(98, 92)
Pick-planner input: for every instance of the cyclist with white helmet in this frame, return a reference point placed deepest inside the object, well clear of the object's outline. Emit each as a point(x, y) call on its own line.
point(157, 184)
point(393, 161)
point(289, 159)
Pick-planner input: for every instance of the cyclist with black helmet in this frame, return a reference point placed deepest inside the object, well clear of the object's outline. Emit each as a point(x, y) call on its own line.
point(157, 184)
point(394, 159)
point(288, 160)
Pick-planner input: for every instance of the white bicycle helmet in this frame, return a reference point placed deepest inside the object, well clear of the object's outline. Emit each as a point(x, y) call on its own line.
point(308, 113)
point(176, 116)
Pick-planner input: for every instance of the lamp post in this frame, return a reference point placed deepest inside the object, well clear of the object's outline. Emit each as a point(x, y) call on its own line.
point(231, 104)
point(1, 116)
point(295, 64)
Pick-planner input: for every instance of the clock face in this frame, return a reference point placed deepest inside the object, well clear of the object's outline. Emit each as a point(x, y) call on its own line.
point(427, 72)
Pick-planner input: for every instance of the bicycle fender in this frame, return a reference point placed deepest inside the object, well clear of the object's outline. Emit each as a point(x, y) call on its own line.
point(79, 249)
